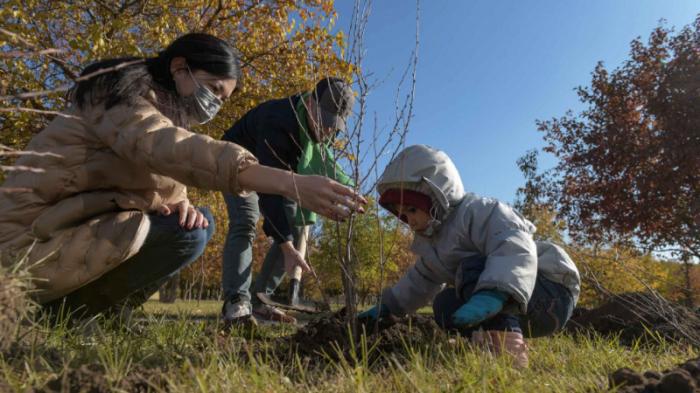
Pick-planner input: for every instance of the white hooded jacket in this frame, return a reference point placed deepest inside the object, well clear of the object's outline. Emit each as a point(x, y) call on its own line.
point(470, 225)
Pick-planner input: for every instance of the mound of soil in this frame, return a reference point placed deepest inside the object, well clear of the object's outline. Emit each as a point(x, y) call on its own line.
point(91, 378)
point(682, 379)
point(634, 315)
point(329, 337)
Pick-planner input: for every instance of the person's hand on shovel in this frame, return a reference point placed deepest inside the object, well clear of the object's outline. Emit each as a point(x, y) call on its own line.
point(293, 258)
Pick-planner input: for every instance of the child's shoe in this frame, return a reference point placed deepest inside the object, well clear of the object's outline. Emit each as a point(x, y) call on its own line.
point(498, 342)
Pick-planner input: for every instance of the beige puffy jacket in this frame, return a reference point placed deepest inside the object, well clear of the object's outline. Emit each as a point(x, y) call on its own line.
point(87, 211)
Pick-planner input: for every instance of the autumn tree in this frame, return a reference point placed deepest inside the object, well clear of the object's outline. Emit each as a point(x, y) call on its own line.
point(629, 166)
point(285, 46)
point(532, 202)
point(606, 268)
point(379, 245)
point(612, 269)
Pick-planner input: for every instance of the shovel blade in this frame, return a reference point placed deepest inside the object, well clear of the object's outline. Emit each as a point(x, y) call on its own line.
point(299, 306)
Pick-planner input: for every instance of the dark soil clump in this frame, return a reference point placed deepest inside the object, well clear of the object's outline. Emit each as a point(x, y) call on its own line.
point(91, 378)
point(634, 316)
point(683, 379)
point(330, 338)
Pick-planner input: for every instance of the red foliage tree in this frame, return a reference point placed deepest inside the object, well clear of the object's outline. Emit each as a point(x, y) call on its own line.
point(629, 164)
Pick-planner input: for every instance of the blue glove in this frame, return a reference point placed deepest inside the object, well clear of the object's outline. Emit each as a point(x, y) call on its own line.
point(374, 313)
point(482, 306)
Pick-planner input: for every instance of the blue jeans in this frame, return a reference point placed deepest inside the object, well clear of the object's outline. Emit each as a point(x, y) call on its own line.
point(167, 249)
point(548, 310)
point(237, 270)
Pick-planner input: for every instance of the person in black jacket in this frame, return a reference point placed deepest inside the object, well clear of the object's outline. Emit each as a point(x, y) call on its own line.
point(290, 134)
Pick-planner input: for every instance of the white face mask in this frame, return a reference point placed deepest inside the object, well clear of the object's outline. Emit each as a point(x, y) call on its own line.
point(203, 104)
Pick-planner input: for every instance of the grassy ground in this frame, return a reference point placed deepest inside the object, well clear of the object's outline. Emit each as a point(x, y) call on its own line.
point(197, 308)
point(190, 356)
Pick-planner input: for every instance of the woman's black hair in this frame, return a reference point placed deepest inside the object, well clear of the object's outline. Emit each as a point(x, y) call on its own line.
point(201, 51)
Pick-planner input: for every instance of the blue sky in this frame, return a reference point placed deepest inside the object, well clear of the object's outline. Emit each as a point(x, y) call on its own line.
point(488, 69)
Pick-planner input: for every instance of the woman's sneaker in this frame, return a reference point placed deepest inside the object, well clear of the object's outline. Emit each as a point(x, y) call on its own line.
point(266, 312)
point(237, 313)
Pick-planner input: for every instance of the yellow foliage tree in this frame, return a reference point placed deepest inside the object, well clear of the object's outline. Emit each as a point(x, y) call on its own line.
point(381, 248)
point(677, 289)
point(285, 46)
point(620, 270)
point(605, 270)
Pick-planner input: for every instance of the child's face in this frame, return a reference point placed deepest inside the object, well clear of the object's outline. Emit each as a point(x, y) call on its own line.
point(417, 219)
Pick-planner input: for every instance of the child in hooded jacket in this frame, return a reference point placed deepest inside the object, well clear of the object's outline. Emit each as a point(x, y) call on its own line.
point(477, 260)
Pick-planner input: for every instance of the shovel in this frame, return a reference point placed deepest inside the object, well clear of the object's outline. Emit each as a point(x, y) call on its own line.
point(293, 302)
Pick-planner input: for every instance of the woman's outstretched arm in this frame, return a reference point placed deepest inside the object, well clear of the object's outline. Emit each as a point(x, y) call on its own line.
point(317, 193)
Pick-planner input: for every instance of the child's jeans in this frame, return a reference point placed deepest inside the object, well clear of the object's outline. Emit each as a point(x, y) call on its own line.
point(550, 306)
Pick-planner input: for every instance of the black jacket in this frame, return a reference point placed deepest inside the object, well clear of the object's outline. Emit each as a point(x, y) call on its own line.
point(271, 132)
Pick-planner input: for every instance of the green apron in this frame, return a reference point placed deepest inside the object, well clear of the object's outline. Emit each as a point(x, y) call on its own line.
point(316, 159)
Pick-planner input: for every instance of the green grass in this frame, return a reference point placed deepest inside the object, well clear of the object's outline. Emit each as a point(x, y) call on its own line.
point(192, 357)
point(197, 308)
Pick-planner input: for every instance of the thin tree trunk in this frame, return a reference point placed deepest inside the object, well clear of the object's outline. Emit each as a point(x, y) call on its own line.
point(688, 288)
point(349, 274)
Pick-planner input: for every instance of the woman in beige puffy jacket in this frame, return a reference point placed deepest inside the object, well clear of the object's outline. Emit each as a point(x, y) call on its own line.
point(108, 215)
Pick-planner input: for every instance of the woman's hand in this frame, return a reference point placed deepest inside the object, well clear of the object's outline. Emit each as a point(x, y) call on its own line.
point(190, 217)
point(293, 258)
point(317, 193)
point(326, 196)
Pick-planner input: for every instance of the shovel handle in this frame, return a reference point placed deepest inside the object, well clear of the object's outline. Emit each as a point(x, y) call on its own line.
point(301, 241)
point(296, 273)
point(295, 279)
point(301, 247)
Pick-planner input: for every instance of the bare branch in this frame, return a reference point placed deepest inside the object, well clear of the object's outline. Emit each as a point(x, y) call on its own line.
point(17, 37)
point(66, 87)
point(12, 190)
point(20, 168)
point(217, 11)
point(6, 151)
point(13, 54)
point(26, 43)
point(40, 111)
point(35, 94)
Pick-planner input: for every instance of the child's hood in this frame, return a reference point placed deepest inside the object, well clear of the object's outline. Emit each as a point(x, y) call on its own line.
point(424, 169)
